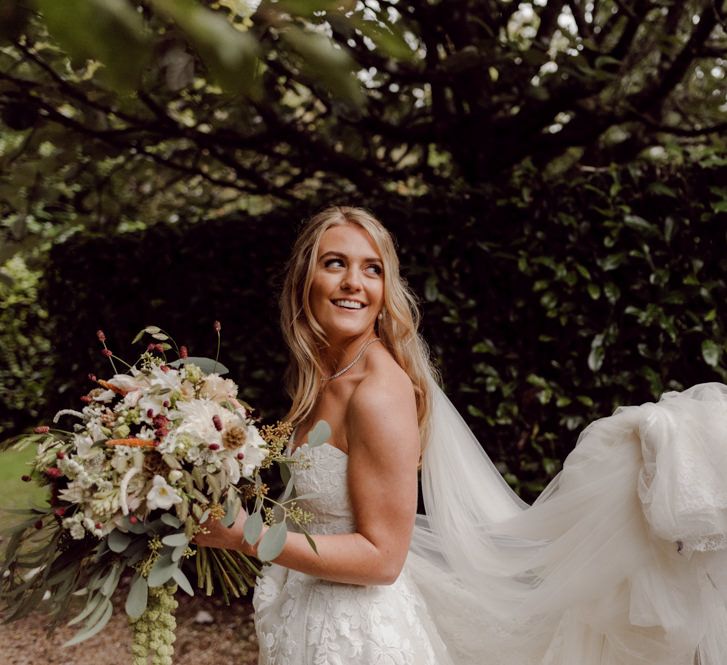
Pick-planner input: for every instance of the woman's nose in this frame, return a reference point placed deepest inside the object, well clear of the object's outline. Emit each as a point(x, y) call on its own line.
point(351, 281)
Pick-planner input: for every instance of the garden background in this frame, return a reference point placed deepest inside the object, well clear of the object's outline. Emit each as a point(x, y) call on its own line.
point(554, 171)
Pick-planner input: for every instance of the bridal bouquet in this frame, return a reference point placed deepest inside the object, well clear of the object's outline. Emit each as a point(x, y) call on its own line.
point(153, 454)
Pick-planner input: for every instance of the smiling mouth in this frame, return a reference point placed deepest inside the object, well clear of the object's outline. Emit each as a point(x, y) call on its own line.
point(350, 305)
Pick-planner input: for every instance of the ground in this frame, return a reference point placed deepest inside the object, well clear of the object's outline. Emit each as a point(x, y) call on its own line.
point(228, 640)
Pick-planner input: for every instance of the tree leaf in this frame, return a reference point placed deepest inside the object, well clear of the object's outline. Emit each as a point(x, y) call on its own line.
point(326, 63)
point(711, 352)
point(109, 31)
point(230, 55)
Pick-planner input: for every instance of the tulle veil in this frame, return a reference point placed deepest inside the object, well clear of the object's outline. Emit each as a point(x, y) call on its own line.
point(621, 561)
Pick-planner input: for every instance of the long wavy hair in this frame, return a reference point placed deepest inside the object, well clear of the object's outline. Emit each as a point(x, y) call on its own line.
point(397, 329)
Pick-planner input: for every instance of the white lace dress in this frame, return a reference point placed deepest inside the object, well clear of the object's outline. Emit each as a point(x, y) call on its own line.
point(622, 560)
point(304, 620)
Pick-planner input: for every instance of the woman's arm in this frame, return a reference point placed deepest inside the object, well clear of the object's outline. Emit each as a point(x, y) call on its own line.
point(383, 437)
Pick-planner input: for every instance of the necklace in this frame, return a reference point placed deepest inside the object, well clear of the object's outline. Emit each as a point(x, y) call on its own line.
point(358, 357)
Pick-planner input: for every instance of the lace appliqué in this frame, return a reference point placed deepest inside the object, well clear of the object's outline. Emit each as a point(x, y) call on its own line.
point(303, 620)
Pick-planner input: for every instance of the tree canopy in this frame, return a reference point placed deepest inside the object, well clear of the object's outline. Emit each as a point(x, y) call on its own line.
point(554, 171)
point(125, 112)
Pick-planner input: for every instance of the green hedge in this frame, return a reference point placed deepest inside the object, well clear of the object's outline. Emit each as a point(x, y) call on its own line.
point(546, 305)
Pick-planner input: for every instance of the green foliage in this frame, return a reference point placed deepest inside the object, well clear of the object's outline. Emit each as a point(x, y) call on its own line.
point(561, 300)
point(26, 362)
point(547, 305)
point(553, 175)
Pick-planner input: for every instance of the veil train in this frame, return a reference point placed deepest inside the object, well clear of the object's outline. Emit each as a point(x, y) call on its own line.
point(622, 560)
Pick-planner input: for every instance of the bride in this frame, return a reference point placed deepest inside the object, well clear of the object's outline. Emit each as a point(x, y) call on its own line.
point(621, 560)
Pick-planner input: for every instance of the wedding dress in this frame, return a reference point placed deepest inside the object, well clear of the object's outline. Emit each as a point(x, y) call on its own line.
point(621, 561)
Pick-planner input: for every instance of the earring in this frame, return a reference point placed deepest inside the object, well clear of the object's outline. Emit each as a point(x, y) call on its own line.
point(381, 315)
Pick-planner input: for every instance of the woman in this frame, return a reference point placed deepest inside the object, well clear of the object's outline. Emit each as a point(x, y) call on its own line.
point(620, 561)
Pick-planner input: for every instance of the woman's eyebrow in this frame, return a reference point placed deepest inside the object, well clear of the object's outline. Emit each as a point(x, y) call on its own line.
point(373, 259)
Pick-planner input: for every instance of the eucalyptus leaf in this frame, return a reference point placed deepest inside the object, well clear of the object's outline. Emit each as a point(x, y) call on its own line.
point(118, 541)
point(233, 510)
point(177, 552)
point(290, 486)
point(253, 527)
point(181, 579)
point(162, 571)
point(311, 542)
point(106, 610)
point(272, 542)
point(137, 598)
point(175, 539)
point(112, 580)
point(319, 434)
point(207, 365)
point(91, 604)
point(171, 520)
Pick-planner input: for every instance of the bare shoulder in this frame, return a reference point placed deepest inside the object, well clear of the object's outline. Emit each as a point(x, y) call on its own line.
point(382, 408)
point(385, 383)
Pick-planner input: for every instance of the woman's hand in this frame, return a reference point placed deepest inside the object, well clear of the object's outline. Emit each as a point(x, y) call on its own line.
point(214, 534)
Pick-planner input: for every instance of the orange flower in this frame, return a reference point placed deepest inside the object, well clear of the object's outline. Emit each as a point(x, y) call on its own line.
point(111, 386)
point(135, 443)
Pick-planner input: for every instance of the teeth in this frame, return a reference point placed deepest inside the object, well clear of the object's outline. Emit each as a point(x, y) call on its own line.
point(348, 304)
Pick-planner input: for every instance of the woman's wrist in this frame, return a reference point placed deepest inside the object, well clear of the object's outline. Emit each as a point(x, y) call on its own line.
point(251, 550)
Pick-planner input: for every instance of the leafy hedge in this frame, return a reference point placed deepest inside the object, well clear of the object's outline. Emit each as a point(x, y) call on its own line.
point(25, 363)
point(546, 303)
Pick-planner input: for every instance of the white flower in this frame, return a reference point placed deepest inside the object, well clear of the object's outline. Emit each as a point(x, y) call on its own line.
point(131, 399)
point(104, 396)
point(175, 475)
point(83, 444)
point(161, 495)
point(254, 451)
point(242, 8)
point(124, 489)
point(75, 527)
point(74, 493)
point(218, 389)
point(121, 459)
point(127, 382)
point(197, 420)
point(169, 380)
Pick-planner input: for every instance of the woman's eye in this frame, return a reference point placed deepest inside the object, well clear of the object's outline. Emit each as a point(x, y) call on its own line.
point(332, 262)
point(375, 268)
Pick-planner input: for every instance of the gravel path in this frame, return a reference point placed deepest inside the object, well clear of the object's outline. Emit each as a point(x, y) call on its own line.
point(229, 639)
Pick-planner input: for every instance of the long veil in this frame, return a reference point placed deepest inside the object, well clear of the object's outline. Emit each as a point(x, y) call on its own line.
point(621, 561)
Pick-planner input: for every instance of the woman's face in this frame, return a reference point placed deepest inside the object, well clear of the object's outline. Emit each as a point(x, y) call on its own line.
point(347, 291)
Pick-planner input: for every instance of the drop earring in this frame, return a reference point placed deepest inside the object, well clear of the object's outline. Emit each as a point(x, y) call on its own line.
point(381, 315)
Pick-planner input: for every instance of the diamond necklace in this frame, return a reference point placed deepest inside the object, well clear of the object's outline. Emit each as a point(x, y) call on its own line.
point(353, 362)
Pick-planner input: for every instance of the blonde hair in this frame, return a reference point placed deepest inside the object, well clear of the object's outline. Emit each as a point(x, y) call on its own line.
point(397, 329)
